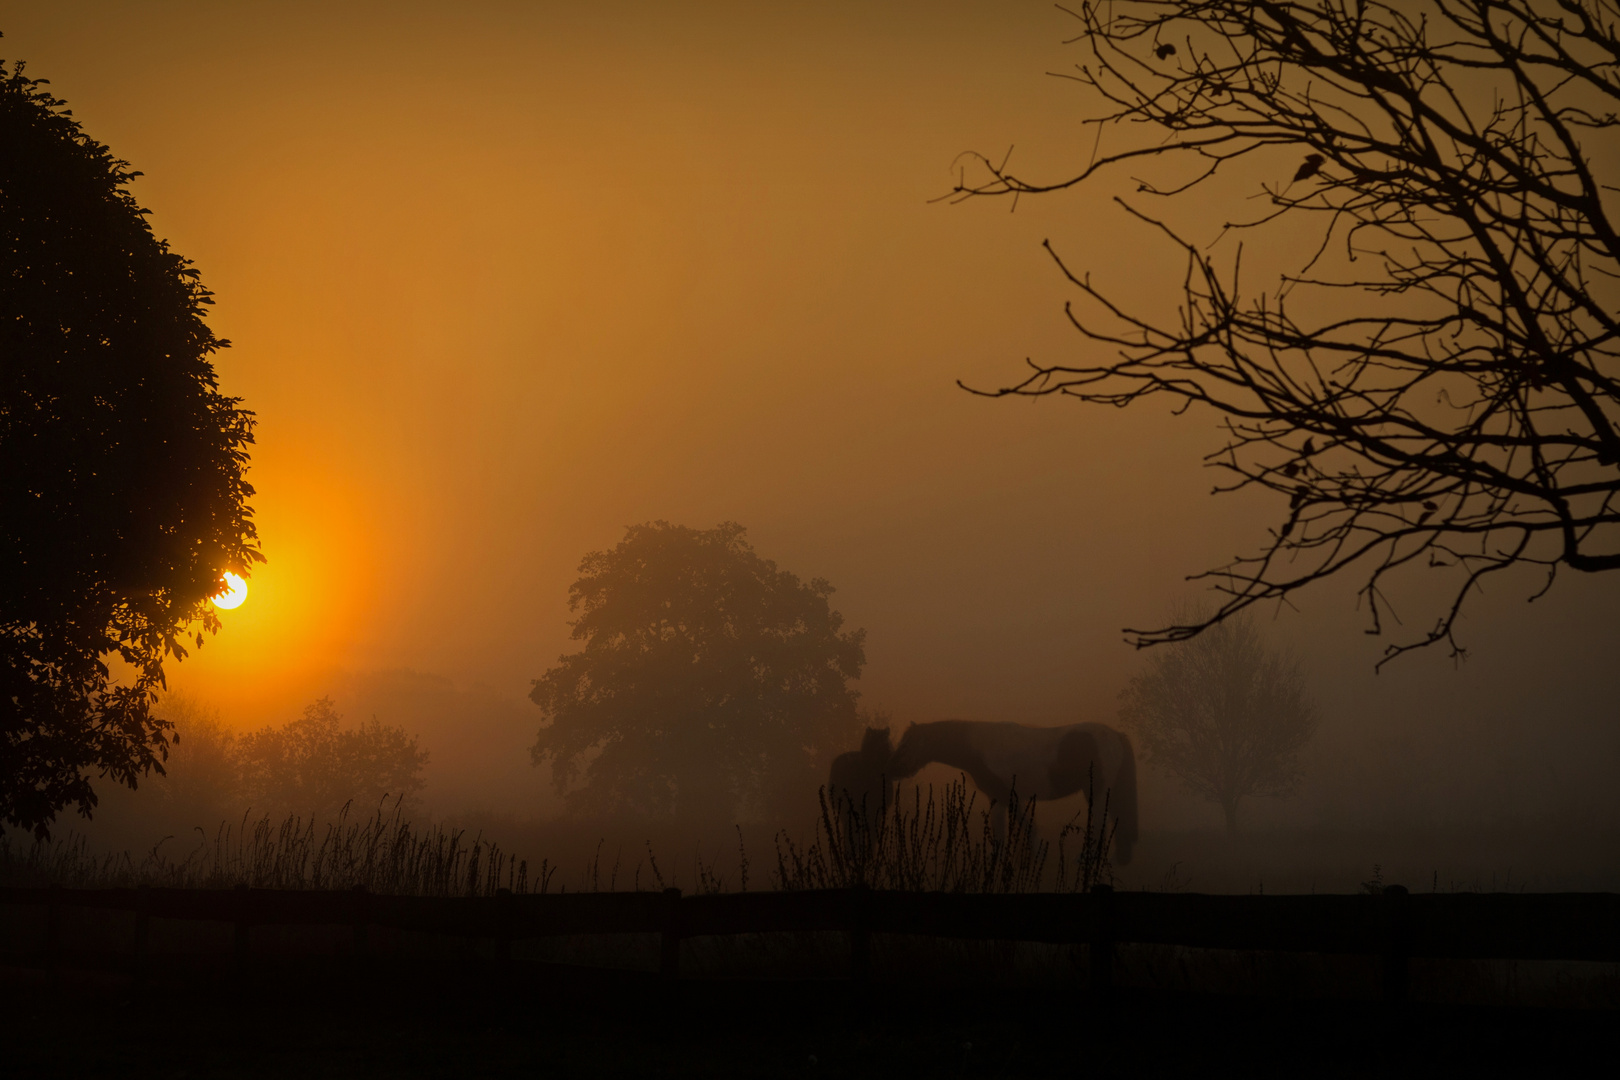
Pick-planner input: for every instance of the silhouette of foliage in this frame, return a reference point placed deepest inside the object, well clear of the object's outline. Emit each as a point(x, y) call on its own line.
point(1437, 384)
point(709, 683)
point(315, 766)
point(1224, 714)
point(122, 498)
point(201, 783)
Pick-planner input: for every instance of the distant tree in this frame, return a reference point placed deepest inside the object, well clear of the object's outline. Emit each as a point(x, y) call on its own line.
point(122, 497)
point(710, 682)
point(201, 783)
point(1224, 714)
point(315, 766)
point(1437, 383)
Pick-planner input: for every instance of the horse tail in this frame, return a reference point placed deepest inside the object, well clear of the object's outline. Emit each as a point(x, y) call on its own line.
point(1122, 801)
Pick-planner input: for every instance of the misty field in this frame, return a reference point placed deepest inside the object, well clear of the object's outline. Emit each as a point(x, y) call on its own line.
point(336, 1000)
point(925, 842)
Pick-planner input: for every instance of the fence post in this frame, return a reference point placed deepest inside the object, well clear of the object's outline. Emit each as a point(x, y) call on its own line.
point(239, 912)
point(1101, 945)
point(362, 922)
point(669, 956)
point(53, 930)
point(1397, 944)
point(860, 932)
point(503, 930)
point(137, 960)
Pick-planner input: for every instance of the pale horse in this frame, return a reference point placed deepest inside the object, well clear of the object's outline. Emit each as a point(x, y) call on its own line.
point(1044, 762)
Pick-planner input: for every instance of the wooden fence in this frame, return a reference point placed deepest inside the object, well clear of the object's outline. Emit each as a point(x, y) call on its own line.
point(1393, 925)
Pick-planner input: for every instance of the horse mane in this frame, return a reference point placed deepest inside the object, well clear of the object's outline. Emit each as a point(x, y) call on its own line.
point(897, 769)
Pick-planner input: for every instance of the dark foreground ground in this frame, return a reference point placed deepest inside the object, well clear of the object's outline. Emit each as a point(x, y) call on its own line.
point(572, 1022)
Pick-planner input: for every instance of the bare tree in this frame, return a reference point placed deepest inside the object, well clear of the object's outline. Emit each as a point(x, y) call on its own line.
point(1224, 714)
point(1436, 382)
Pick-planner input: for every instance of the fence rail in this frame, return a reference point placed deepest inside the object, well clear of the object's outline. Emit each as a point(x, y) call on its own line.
point(1393, 925)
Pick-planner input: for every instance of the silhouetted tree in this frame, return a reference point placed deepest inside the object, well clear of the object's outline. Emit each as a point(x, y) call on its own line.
point(315, 766)
point(1437, 385)
point(1223, 713)
point(122, 498)
point(708, 682)
point(201, 782)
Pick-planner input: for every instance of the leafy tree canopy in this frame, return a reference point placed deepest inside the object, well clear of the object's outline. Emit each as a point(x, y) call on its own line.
point(122, 494)
point(710, 682)
point(314, 765)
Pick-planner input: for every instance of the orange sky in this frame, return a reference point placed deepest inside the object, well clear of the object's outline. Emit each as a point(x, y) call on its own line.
point(505, 278)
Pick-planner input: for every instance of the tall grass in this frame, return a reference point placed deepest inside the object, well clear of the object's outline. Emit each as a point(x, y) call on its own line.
point(942, 841)
point(385, 853)
point(942, 844)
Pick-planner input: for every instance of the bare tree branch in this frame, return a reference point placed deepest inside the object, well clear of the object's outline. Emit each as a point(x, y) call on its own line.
point(1458, 405)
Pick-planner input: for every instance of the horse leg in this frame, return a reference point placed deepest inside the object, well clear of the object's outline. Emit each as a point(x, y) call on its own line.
point(1000, 793)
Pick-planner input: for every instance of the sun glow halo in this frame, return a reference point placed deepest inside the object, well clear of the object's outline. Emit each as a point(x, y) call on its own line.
point(232, 595)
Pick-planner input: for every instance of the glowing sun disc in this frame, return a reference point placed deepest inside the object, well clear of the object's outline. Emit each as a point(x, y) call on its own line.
point(232, 595)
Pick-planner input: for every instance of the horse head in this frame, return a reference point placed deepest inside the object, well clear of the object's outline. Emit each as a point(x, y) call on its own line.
point(860, 774)
point(858, 792)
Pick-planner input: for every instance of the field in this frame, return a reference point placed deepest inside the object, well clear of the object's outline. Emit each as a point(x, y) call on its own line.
point(773, 1004)
point(573, 1022)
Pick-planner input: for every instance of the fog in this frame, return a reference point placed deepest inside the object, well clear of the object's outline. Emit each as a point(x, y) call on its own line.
point(503, 279)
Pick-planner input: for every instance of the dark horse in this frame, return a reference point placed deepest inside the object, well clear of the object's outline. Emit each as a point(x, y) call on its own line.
point(860, 774)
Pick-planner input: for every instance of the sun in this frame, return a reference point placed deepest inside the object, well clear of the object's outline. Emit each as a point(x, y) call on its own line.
point(232, 595)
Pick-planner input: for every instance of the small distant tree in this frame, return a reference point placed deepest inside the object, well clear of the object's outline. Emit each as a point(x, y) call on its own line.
point(201, 782)
point(314, 765)
point(710, 682)
point(1223, 713)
